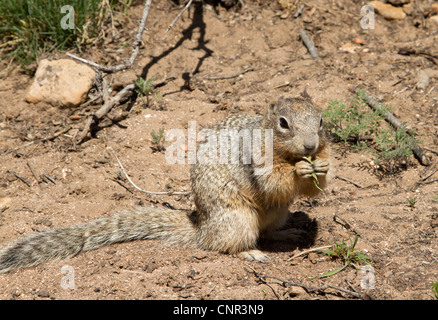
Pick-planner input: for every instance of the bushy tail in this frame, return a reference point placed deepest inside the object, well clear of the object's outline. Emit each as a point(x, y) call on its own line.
point(141, 223)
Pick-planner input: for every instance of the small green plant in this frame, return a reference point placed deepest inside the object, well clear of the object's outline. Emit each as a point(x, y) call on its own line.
point(367, 130)
point(315, 178)
point(347, 254)
point(435, 289)
point(158, 140)
point(435, 198)
point(145, 88)
point(412, 201)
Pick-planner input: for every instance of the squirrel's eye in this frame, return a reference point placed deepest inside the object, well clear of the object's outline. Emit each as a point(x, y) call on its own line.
point(283, 123)
point(320, 124)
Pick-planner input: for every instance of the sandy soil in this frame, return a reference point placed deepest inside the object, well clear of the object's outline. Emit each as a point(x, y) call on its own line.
point(213, 41)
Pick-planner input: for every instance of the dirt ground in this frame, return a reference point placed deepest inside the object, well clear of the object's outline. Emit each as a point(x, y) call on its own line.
point(210, 41)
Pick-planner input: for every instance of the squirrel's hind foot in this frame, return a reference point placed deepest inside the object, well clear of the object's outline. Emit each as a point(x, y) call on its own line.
point(253, 255)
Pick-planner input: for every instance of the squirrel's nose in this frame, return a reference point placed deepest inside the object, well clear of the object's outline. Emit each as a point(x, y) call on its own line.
point(310, 145)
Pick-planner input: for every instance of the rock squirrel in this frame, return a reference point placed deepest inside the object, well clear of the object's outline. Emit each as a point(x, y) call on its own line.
point(234, 206)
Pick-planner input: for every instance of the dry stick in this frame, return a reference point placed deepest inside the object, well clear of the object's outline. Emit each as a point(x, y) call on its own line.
point(33, 173)
point(308, 251)
point(110, 102)
point(419, 52)
point(309, 289)
point(299, 11)
point(345, 224)
point(433, 170)
point(99, 114)
point(179, 15)
point(21, 179)
point(135, 47)
point(139, 189)
point(37, 141)
point(48, 178)
point(232, 76)
point(431, 150)
point(396, 124)
point(309, 44)
point(348, 180)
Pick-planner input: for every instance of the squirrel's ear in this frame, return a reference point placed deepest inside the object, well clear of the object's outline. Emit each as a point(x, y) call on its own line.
point(272, 108)
point(306, 95)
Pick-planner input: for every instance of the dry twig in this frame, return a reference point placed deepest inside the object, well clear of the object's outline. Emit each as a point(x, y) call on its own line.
point(135, 47)
point(345, 224)
point(139, 189)
point(37, 141)
point(307, 252)
point(348, 180)
point(416, 149)
point(179, 15)
point(20, 178)
point(309, 289)
point(109, 103)
point(309, 44)
point(33, 173)
point(232, 76)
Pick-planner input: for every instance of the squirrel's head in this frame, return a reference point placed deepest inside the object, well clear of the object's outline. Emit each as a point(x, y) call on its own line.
point(297, 126)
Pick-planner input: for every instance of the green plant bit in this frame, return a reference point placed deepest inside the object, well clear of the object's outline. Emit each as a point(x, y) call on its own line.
point(144, 86)
point(412, 201)
point(435, 289)
point(158, 140)
point(368, 131)
point(347, 254)
point(315, 178)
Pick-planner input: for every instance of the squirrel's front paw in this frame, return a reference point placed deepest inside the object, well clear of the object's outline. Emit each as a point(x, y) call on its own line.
point(321, 167)
point(305, 169)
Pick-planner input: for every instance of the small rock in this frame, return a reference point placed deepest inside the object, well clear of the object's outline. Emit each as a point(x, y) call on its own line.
point(388, 11)
point(348, 47)
point(423, 80)
point(15, 293)
point(5, 203)
point(43, 293)
point(408, 9)
point(358, 41)
point(61, 83)
point(434, 20)
point(399, 2)
point(297, 292)
point(434, 8)
point(286, 4)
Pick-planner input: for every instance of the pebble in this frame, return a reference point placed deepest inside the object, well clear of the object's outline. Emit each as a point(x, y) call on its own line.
point(434, 19)
point(43, 293)
point(5, 203)
point(388, 11)
point(61, 83)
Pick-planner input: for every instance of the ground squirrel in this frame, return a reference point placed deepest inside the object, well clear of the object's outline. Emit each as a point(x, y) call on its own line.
point(234, 206)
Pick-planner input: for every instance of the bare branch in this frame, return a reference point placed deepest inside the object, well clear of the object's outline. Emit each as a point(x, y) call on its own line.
point(179, 15)
point(309, 44)
point(107, 106)
point(139, 189)
point(135, 47)
point(396, 123)
point(231, 76)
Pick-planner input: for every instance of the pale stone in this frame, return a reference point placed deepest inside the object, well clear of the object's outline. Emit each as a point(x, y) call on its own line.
point(61, 83)
point(388, 11)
